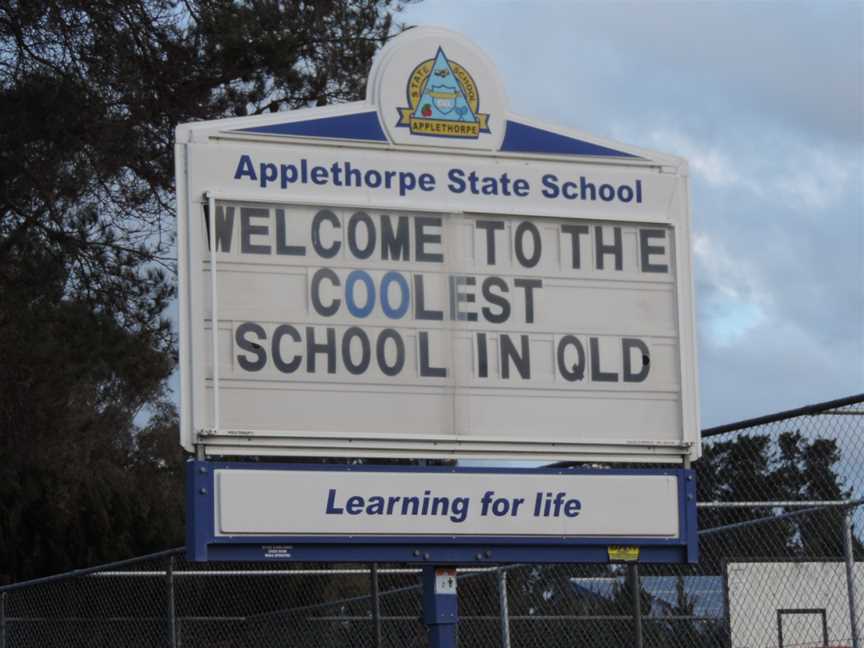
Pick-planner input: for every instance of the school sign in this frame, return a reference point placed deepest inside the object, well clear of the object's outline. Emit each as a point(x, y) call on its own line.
point(424, 274)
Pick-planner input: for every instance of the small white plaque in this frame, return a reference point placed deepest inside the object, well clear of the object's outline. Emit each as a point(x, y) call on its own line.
point(445, 580)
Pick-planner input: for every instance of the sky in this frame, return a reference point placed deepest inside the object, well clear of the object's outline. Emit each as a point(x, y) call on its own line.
point(766, 102)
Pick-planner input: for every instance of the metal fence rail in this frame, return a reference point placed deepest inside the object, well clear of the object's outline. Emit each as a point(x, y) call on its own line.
point(780, 516)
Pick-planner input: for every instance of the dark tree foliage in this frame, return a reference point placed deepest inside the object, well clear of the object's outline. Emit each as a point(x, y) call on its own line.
point(790, 467)
point(90, 93)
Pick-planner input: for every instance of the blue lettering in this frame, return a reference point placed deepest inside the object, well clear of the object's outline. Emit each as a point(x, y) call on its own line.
point(456, 508)
point(354, 505)
point(485, 501)
point(457, 180)
point(245, 168)
point(521, 187)
point(586, 188)
point(550, 181)
point(399, 311)
point(607, 192)
point(572, 507)
point(489, 186)
point(407, 182)
point(459, 509)
point(568, 190)
point(319, 175)
point(331, 504)
point(267, 173)
point(287, 175)
point(427, 182)
point(549, 505)
point(353, 308)
point(373, 178)
point(500, 507)
point(375, 505)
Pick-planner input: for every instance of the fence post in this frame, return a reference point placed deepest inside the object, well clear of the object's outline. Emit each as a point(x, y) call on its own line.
point(503, 607)
point(3, 620)
point(376, 605)
point(635, 587)
point(172, 617)
point(849, 550)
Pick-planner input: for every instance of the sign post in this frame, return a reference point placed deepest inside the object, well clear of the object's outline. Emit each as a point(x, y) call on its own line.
point(426, 275)
point(441, 606)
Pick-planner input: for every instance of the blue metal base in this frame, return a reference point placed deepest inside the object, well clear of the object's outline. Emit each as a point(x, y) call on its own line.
point(417, 553)
point(440, 612)
point(443, 636)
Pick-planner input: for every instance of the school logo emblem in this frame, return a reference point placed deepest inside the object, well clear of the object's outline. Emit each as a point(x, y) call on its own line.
point(443, 101)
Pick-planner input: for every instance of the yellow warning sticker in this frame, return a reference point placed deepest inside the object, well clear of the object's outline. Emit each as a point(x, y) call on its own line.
point(623, 554)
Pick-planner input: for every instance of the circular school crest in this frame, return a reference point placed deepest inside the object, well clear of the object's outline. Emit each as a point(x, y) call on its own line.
point(443, 101)
point(433, 87)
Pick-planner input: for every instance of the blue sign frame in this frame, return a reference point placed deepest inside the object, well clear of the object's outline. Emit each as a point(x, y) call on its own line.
point(202, 543)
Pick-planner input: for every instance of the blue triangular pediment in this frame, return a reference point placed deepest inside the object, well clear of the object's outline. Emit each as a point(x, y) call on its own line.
point(359, 126)
point(365, 126)
point(522, 138)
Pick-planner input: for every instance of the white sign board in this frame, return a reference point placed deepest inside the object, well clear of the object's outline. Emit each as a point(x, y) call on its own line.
point(299, 503)
point(426, 274)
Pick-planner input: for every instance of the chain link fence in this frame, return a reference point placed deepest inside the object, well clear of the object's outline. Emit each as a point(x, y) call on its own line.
point(780, 520)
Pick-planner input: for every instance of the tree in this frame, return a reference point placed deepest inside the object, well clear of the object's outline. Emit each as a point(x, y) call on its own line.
point(756, 467)
point(739, 470)
point(90, 94)
point(810, 474)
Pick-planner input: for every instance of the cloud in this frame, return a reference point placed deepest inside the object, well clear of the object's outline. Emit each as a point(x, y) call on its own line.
point(777, 366)
point(796, 65)
point(816, 180)
point(795, 173)
point(731, 301)
point(714, 165)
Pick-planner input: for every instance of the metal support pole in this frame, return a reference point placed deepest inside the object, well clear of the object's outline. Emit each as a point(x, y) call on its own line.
point(636, 589)
point(503, 607)
point(3, 620)
point(376, 604)
point(214, 311)
point(441, 606)
point(172, 613)
point(849, 550)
